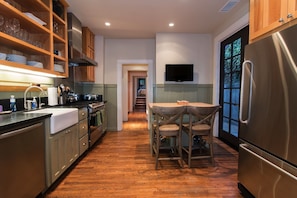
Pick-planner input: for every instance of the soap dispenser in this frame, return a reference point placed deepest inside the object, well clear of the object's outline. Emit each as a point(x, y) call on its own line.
point(34, 103)
point(12, 102)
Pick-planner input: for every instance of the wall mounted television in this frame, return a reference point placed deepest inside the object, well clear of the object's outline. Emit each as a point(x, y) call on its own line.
point(179, 72)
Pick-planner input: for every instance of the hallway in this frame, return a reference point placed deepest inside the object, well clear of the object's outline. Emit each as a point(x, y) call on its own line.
point(121, 166)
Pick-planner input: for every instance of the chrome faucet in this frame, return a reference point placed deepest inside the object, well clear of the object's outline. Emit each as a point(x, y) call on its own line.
point(25, 96)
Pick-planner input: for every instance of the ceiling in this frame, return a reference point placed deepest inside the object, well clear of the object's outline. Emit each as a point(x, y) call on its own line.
point(144, 18)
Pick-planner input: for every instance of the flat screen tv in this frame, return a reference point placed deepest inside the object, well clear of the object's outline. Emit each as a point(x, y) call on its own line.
point(179, 72)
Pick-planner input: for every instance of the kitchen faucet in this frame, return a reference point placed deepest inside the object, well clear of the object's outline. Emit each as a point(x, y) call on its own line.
point(25, 95)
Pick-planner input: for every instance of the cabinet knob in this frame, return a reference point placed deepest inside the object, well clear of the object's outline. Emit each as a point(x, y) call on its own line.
point(281, 20)
point(84, 144)
point(290, 16)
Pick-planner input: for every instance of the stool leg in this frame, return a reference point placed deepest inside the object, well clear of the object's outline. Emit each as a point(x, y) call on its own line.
point(190, 150)
point(180, 149)
point(211, 152)
point(157, 151)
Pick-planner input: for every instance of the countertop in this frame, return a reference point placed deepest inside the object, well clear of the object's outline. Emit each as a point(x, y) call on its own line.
point(78, 104)
point(11, 120)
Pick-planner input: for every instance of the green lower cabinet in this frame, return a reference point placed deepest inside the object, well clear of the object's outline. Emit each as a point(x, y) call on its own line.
point(64, 150)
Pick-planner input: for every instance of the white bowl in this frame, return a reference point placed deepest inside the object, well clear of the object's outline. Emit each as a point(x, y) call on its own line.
point(35, 64)
point(2, 56)
point(16, 58)
point(58, 68)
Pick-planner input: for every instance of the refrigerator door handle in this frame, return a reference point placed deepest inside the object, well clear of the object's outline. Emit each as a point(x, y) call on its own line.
point(243, 146)
point(244, 65)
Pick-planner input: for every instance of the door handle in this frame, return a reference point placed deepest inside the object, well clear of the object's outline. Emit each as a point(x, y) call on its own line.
point(244, 147)
point(245, 65)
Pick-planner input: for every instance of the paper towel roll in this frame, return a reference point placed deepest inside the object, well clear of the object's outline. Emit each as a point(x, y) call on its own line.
point(52, 94)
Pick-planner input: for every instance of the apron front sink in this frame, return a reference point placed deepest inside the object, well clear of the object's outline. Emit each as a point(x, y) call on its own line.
point(61, 118)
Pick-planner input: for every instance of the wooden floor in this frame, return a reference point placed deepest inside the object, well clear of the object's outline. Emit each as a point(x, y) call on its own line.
point(121, 166)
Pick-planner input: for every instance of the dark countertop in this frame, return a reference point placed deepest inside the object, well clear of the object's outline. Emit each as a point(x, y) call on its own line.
point(14, 118)
point(11, 120)
point(79, 104)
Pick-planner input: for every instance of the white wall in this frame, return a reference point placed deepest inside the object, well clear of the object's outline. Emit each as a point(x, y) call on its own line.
point(125, 49)
point(175, 48)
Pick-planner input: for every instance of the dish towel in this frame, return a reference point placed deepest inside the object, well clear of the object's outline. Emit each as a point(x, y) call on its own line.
point(98, 119)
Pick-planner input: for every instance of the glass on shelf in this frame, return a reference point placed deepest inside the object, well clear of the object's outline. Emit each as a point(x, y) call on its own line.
point(2, 21)
point(11, 26)
point(23, 35)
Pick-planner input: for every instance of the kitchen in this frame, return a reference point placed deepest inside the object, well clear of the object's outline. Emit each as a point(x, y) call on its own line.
point(113, 54)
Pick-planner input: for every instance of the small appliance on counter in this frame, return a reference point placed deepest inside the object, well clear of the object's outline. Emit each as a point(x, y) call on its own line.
point(93, 97)
point(62, 92)
point(73, 97)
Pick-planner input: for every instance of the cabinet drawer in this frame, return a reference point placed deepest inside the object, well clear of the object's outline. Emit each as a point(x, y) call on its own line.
point(82, 113)
point(83, 144)
point(83, 127)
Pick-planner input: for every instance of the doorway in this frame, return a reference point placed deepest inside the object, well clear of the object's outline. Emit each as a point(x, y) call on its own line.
point(122, 80)
point(232, 56)
point(139, 101)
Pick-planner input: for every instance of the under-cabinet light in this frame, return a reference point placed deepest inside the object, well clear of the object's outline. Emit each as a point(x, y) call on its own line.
point(27, 71)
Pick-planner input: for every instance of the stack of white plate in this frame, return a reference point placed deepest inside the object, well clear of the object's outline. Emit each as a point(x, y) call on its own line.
point(16, 58)
point(38, 20)
point(2, 56)
point(35, 64)
point(58, 68)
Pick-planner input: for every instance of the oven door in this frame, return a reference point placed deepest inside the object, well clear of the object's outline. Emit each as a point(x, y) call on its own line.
point(96, 129)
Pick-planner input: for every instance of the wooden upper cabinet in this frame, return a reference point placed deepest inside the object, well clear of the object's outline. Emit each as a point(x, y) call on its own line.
point(41, 36)
point(269, 15)
point(86, 73)
point(292, 9)
point(88, 42)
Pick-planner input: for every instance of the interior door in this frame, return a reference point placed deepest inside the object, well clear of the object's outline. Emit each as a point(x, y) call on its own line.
point(232, 54)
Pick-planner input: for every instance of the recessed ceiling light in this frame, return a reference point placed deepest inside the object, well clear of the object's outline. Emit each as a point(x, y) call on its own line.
point(171, 24)
point(107, 24)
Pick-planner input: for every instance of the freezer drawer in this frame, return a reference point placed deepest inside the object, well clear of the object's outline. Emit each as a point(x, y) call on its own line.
point(265, 176)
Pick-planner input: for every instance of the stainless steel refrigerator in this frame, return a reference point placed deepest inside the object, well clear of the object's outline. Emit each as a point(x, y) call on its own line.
point(267, 165)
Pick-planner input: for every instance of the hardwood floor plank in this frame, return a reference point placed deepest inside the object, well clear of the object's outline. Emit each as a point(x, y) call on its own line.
point(121, 166)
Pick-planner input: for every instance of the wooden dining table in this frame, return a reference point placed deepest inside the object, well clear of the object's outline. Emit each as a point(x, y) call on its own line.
point(171, 104)
point(176, 104)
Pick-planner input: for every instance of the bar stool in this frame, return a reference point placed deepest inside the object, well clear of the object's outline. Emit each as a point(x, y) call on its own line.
point(167, 123)
point(200, 132)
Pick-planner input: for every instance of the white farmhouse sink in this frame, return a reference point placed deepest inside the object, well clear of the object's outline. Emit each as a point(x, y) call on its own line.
point(61, 118)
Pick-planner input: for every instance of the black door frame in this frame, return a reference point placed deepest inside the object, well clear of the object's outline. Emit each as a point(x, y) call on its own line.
point(243, 34)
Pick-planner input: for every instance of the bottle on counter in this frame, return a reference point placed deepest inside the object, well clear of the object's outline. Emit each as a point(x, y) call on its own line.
point(12, 103)
point(34, 103)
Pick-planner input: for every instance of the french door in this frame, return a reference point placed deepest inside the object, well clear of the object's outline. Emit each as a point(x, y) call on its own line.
point(232, 56)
